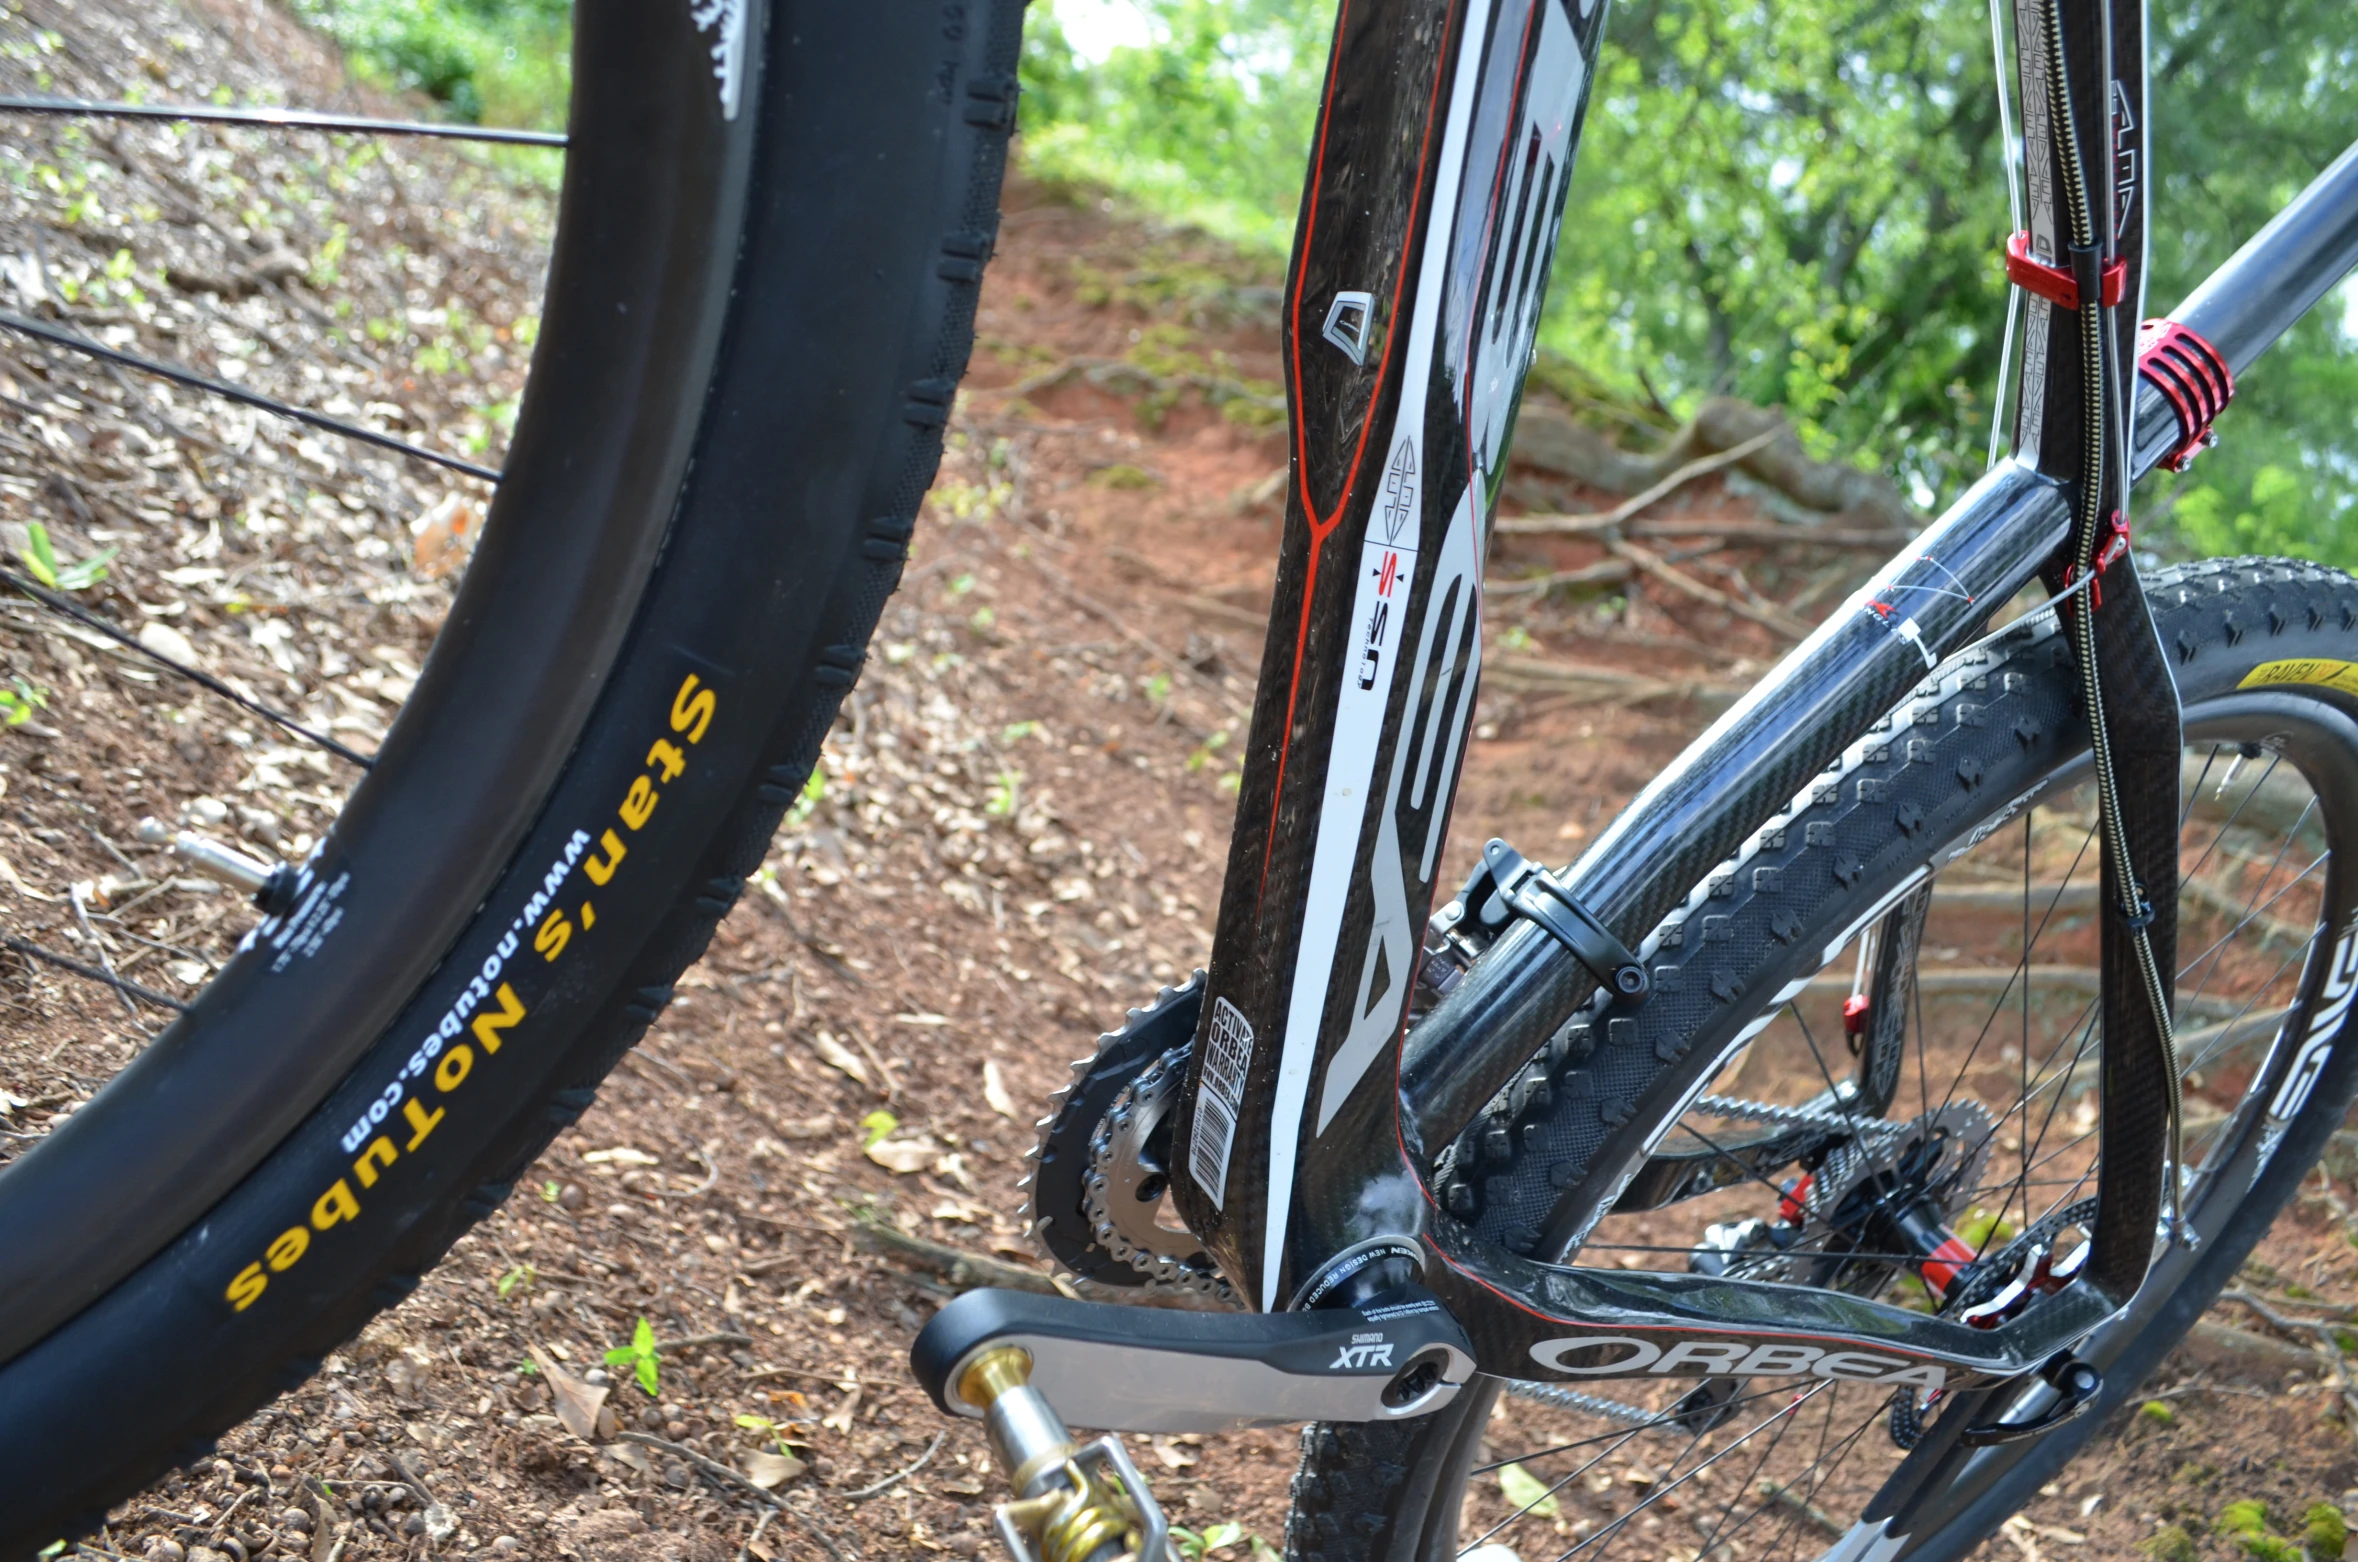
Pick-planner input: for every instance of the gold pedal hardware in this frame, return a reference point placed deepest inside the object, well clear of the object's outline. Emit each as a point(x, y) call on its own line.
point(1074, 1502)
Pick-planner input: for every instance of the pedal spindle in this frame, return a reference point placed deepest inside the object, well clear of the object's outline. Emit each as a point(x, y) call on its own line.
point(1075, 1502)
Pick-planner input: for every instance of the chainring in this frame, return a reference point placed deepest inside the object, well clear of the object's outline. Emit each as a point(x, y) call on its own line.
point(1129, 1168)
point(1057, 1189)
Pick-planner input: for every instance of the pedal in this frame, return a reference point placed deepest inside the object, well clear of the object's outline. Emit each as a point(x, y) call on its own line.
point(1074, 1502)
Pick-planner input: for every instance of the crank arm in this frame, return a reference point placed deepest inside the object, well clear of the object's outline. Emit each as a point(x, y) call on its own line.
point(1147, 1369)
point(1565, 1324)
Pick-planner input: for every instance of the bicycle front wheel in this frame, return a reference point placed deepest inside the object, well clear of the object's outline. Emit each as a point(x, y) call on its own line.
point(1878, 1021)
point(770, 241)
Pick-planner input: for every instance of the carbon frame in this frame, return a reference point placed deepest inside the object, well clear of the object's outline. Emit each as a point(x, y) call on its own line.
point(1435, 192)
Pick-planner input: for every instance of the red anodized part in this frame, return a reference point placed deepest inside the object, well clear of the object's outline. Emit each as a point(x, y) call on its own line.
point(2189, 372)
point(2054, 283)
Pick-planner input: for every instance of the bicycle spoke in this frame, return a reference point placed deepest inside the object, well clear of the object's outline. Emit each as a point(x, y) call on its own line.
point(279, 119)
point(68, 608)
point(93, 973)
point(228, 392)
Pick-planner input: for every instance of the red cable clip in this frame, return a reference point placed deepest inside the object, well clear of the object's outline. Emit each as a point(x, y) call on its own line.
point(2054, 283)
point(2114, 546)
point(2195, 380)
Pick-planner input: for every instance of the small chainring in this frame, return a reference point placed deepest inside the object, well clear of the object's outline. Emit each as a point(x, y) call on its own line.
point(1082, 1121)
point(1129, 1167)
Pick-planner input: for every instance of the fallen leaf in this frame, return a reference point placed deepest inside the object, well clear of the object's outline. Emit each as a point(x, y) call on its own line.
point(8, 872)
point(632, 1455)
point(445, 535)
point(576, 1403)
point(995, 1089)
point(840, 1418)
point(621, 1156)
point(767, 1470)
point(1173, 1456)
point(1526, 1491)
point(166, 641)
point(838, 1057)
point(905, 1156)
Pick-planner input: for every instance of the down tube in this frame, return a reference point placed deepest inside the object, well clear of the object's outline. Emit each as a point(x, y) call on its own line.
point(1435, 192)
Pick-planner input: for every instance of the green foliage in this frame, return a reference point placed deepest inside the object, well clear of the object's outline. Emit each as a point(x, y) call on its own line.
point(640, 1356)
point(2170, 1543)
point(17, 704)
point(2157, 1412)
point(39, 557)
point(506, 62)
point(2324, 1532)
point(2249, 1516)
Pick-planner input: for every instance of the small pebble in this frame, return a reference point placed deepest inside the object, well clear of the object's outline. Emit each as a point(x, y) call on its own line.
point(675, 1430)
point(161, 1549)
point(571, 1198)
point(507, 1545)
point(296, 1519)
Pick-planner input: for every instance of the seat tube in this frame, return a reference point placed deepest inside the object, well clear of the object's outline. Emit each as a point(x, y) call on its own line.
point(1434, 198)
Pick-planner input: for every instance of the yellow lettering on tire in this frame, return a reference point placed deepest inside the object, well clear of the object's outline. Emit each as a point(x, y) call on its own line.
point(289, 1247)
point(337, 1204)
point(421, 1121)
point(487, 1025)
point(602, 873)
point(250, 1283)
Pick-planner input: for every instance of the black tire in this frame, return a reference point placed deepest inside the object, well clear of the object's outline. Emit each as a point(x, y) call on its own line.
point(755, 327)
point(1533, 1173)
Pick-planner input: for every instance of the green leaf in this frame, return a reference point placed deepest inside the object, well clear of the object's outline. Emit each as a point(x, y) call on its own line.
point(88, 572)
point(875, 1127)
point(37, 555)
point(1526, 1491)
point(1222, 1535)
point(639, 1355)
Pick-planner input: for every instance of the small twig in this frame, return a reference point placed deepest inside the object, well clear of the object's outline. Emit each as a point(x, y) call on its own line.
point(711, 1176)
point(1679, 580)
point(898, 1476)
point(82, 915)
point(690, 1341)
point(725, 1476)
point(962, 1269)
point(754, 1539)
point(1786, 1497)
point(1609, 520)
point(2328, 1348)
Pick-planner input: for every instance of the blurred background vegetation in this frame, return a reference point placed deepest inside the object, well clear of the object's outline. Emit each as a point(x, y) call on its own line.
point(1798, 202)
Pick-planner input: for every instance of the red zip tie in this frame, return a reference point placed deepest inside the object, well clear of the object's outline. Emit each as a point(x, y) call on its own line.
point(2054, 283)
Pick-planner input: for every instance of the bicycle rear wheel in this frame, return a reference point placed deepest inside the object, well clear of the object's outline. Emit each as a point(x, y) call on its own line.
point(735, 410)
point(1943, 874)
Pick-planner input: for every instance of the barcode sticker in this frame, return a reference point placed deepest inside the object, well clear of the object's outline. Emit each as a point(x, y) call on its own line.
point(1228, 1057)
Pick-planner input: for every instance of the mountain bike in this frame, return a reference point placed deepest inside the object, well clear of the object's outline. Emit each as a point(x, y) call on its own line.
point(1698, 1152)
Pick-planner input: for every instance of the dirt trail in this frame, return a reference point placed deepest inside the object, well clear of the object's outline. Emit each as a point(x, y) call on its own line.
point(1017, 837)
